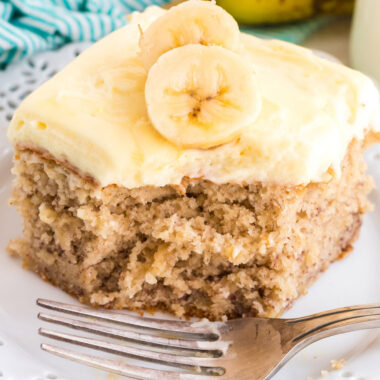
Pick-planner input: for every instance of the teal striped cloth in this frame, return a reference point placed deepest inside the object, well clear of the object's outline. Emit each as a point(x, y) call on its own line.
point(295, 32)
point(31, 26)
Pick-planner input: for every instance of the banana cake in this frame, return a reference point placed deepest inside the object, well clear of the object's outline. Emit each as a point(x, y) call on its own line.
point(181, 165)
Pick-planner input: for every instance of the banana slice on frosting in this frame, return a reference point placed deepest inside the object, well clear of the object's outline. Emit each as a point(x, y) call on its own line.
point(192, 22)
point(201, 96)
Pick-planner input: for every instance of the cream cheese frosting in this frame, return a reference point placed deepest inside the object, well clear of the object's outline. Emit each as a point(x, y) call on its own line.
point(93, 114)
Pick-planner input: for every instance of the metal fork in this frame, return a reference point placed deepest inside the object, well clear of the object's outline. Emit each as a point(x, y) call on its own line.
point(244, 349)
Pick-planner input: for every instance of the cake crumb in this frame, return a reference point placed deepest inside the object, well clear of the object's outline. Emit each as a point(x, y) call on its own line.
point(324, 373)
point(337, 364)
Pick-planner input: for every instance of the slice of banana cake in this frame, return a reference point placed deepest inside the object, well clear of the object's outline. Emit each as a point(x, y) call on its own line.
point(181, 165)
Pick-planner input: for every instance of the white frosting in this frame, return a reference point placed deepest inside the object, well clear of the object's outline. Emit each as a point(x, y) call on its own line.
point(93, 114)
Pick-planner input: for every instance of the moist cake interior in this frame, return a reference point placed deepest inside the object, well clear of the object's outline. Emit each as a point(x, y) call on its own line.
point(199, 249)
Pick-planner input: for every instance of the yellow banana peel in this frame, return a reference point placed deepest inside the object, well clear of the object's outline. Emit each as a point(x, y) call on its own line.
point(258, 12)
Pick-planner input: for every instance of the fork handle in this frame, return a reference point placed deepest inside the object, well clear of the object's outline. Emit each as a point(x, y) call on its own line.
point(318, 326)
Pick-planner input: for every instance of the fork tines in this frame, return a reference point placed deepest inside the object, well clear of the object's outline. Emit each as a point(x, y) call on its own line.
point(185, 347)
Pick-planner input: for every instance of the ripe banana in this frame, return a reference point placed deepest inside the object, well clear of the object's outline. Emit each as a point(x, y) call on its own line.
point(276, 11)
point(192, 22)
point(201, 96)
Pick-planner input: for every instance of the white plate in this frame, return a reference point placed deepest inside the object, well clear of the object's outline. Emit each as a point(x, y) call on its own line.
point(354, 280)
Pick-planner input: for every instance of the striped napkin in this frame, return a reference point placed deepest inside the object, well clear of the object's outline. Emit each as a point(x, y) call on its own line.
point(30, 26)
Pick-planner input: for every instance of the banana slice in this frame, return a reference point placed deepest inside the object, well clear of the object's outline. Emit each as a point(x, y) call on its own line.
point(192, 22)
point(201, 96)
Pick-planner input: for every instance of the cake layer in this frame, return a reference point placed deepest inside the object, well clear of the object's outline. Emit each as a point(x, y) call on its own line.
point(93, 115)
point(216, 251)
